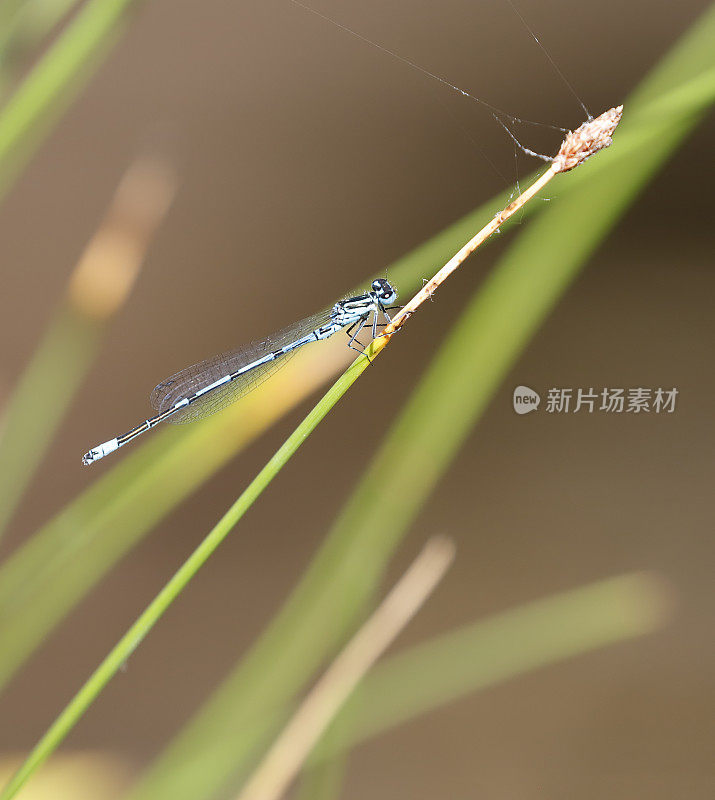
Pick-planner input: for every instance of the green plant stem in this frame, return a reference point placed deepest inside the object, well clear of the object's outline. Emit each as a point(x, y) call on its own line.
point(146, 621)
point(50, 573)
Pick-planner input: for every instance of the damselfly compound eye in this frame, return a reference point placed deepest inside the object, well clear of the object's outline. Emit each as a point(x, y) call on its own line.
point(384, 291)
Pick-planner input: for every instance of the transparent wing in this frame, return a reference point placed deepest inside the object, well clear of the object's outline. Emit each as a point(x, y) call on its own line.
point(223, 396)
point(194, 378)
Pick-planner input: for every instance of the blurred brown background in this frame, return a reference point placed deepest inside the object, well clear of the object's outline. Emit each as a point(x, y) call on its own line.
point(308, 158)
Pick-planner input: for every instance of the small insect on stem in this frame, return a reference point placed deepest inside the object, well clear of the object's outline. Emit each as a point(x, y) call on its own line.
point(209, 386)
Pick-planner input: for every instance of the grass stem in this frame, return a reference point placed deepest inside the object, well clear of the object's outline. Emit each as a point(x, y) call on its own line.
point(292, 747)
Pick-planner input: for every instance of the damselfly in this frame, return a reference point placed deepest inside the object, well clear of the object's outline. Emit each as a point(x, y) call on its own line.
point(205, 388)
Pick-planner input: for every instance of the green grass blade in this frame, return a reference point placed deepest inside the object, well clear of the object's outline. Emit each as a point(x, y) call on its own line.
point(322, 778)
point(33, 413)
point(499, 648)
point(67, 348)
point(482, 654)
point(54, 82)
point(146, 621)
point(23, 26)
point(213, 749)
point(45, 578)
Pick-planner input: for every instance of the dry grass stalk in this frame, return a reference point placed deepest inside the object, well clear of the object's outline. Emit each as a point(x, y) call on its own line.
point(578, 146)
point(289, 751)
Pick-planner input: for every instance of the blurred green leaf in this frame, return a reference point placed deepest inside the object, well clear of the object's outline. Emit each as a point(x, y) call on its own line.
point(33, 413)
point(322, 777)
point(482, 654)
point(501, 647)
point(58, 77)
point(23, 26)
point(96, 288)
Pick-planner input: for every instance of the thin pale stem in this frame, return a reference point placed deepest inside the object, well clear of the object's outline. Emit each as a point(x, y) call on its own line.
point(426, 292)
point(579, 145)
point(290, 750)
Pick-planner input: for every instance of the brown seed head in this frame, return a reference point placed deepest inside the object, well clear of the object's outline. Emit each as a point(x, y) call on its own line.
point(588, 139)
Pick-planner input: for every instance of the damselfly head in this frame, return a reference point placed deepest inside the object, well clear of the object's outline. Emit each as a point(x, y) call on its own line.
point(384, 291)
